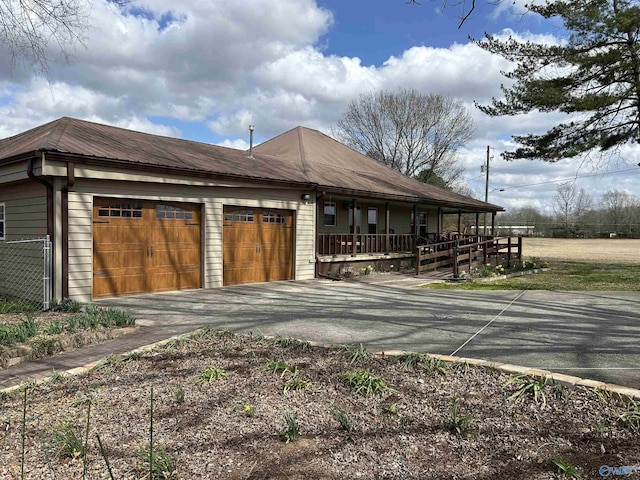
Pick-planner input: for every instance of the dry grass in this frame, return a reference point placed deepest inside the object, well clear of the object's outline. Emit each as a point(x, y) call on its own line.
point(598, 250)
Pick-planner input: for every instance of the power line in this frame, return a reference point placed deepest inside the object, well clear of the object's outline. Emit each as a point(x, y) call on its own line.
point(568, 178)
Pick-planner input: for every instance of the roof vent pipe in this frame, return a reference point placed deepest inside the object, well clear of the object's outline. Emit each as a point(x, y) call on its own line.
point(251, 141)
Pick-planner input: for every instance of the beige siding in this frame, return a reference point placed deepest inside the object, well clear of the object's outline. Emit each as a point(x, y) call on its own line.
point(400, 220)
point(212, 199)
point(15, 172)
point(25, 210)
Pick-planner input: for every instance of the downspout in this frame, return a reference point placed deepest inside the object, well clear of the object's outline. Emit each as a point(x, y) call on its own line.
point(65, 228)
point(49, 187)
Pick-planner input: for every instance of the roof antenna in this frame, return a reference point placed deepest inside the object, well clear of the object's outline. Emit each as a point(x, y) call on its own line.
point(251, 141)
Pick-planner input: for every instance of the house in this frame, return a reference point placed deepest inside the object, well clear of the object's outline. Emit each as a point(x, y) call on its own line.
point(131, 213)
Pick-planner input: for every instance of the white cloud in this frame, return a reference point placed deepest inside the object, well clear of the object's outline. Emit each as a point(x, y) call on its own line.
point(230, 64)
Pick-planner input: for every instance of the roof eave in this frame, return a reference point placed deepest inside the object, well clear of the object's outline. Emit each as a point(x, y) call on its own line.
point(455, 206)
point(129, 165)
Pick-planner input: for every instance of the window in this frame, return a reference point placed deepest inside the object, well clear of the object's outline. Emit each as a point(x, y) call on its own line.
point(372, 221)
point(239, 216)
point(3, 221)
point(358, 219)
point(273, 217)
point(329, 214)
point(421, 224)
point(125, 210)
point(169, 211)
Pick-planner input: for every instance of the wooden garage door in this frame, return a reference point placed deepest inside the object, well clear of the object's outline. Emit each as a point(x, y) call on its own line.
point(141, 246)
point(257, 245)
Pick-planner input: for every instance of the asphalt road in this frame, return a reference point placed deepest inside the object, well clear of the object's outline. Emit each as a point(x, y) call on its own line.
point(586, 334)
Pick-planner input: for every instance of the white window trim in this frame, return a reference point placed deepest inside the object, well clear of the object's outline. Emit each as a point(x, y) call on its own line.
point(335, 214)
point(3, 220)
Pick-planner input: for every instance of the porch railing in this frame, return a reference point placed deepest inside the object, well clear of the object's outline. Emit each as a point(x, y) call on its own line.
point(355, 244)
point(466, 251)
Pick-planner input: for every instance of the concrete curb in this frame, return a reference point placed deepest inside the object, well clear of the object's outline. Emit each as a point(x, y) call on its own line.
point(566, 380)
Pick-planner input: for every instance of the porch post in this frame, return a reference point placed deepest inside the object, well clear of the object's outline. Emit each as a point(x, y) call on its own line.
point(439, 223)
point(493, 223)
point(355, 228)
point(478, 226)
point(386, 225)
point(459, 222)
point(413, 227)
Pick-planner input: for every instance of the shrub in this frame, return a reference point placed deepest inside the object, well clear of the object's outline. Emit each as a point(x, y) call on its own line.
point(276, 366)
point(455, 423)
point(356, 353)
point(18, 332)
point(158, 462)
point(117, 317)
point(210, 375)
point(296, 384)
point(363, 382)
point(66, 442)
point(291, 432)
point(71, 306)
point(342, 417)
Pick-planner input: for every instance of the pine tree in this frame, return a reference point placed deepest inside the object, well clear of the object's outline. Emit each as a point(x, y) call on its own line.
point(593, 77)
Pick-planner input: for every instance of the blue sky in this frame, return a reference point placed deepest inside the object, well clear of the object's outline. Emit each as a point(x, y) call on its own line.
point(206, 70)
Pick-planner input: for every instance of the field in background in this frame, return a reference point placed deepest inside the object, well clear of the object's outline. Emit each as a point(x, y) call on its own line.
point(600, 250)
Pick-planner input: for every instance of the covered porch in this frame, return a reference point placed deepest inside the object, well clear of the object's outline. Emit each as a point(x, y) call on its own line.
point(353, 232)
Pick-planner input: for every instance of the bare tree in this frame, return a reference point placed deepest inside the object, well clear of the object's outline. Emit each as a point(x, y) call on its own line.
point(414, 133)
point(616, 202)
point(30, 28)
point(570, 203)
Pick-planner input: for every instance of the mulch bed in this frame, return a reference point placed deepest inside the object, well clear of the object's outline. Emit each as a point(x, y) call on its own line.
point(231, 428)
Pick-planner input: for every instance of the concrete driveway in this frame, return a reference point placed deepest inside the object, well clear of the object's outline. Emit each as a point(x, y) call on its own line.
point(587, 334)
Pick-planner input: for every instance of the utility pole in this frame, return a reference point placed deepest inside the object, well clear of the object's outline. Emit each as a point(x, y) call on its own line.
point(485, 168)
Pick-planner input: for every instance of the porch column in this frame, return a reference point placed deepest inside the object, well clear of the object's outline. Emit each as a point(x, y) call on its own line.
point(386, 226)
point(459, 222)
point(478, 226)
point(354, 240)
point(413, 227)
point(439, 223)
point(493, 223)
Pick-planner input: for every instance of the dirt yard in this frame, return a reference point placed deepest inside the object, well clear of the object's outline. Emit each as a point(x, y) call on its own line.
point(605, 250)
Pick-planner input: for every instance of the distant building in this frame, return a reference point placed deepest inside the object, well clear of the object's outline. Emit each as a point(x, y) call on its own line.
point(524, 230)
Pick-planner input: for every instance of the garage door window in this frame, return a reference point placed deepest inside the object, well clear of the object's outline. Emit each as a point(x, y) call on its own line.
point(273, 217)
point(171, 212)
point(239, 216)
point(126, 210)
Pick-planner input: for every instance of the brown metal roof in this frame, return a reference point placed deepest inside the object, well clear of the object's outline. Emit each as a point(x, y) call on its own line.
point(334, 166)
point(300, 156)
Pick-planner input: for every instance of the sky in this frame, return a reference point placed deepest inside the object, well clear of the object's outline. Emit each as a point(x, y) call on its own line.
point(206, 70)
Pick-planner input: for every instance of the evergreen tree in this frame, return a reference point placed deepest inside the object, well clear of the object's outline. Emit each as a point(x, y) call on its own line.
point(593, 77)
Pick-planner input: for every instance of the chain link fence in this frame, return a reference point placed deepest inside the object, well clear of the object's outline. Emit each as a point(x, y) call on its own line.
point(25, 271)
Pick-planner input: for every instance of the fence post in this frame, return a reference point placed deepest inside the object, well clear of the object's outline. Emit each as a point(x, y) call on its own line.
point(485, 246)
point(46, 277)
point(455, 259)
point(520, 248)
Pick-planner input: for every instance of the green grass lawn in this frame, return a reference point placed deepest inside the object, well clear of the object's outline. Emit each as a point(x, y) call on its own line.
point(562, 276)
